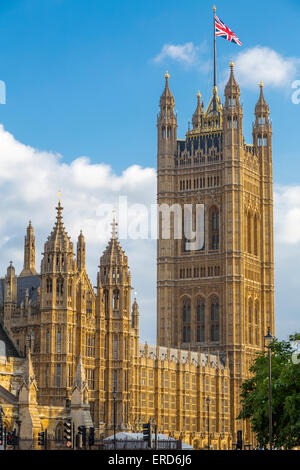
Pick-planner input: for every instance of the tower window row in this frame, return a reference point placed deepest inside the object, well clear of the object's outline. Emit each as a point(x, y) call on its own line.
point(207, 320)
point(199, 183)
point(198, 272)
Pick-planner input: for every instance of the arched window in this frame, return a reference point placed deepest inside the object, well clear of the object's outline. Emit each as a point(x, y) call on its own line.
point(250, 320)
point(200, 316)
point(48, 341)
point(116, 299)
point(49, 285)
point(249, 231)
point(214, 319)
point(255, 235)
point(106, 300)
point(60, 286)
point(214, 228)
point(58, 342)
point(59, 432)
point(256, 321)
point(186, 321)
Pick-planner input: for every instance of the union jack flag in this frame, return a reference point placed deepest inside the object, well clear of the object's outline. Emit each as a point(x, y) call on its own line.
point(223, 31)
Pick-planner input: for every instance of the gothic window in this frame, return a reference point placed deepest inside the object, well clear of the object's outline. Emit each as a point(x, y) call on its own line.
point(115, 383)
point(49, 285)
point(200, 315)
point(250, 320)
point(249, 232)
point(265, 141)
point(106, 297)
point(256, 321)
point(186, 321)
point(214, 319)
point(116, 299)
point(70, 288)
point(59, 432)
point(58, 370)
point(58, 342)
point(69, 340)
point(163, 132)
point(115, 344)
point(69, 375)
point(255, 228)
point(48, 341)
point(214, 228)
point(60, 286)
point(169, 132)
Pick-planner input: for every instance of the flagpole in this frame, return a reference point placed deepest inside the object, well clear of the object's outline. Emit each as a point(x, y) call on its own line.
point(215, 48)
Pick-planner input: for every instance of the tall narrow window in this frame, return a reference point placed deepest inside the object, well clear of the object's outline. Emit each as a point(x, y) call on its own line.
point(59, 286)
point(58, 368)
point(250, 320)
point(186, 321)
point(58, 343)
point(115, 384)
point(116, 299)
point(48, 341)
point(255, 235)
point(115, 347)
point(49, 285)
point(200, 312)
point(249, 232)
point(214, 228)
point(214, 320)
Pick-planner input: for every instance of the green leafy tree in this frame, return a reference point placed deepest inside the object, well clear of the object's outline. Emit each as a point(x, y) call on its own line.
point(285, 373)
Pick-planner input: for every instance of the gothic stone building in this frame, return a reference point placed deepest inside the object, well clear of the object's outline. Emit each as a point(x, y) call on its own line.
point(67, 350)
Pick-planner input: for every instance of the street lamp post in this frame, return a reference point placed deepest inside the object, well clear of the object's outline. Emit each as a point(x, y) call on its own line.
point(268, 340)
point(208, 438)
point(114, 398)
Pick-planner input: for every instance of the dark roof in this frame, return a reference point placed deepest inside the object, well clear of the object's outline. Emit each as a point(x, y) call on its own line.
point(7, 345)
point(28, 282)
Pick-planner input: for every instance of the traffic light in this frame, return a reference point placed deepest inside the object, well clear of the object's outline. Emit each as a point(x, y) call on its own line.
point(68, 433)
point(91, 436)
point(82, 431)
point(239, 443)
point(9, 439)
point(147, 434)
point(41, 439)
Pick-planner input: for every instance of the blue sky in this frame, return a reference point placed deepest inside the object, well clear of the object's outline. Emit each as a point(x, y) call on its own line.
point(83, 78)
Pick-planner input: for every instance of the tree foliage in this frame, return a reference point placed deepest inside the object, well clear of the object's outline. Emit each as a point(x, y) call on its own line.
point(285, 380)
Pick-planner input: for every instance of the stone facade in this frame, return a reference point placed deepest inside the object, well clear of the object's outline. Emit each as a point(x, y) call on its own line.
point(218, 294)
point(72, 351)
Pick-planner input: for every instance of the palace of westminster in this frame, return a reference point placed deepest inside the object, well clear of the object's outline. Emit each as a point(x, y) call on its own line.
point(68, 350)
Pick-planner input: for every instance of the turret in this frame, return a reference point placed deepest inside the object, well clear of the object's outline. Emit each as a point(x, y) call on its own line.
point(262, 128)
point(198, 114)
point(166, 128)
point(81, 252)
point(232, 113)
point(29, 253)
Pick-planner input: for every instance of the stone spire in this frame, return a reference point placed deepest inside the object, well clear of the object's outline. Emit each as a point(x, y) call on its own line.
point(198, 114)
point(80, 408)
point(29, 253)
point(261, 107)
point(232, 89)
point(58, 249)
point(81, 252)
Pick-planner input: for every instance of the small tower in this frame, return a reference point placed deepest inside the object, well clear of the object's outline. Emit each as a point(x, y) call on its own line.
point(10, 295)
point(166, 128)
point(232, 117)
point(29, 253)
point(114, 284)
point(198, 114)
point(262, 128)
point(59, 275)
point(81, 252)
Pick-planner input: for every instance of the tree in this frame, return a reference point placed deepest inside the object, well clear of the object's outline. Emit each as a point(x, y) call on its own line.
point(285, 395)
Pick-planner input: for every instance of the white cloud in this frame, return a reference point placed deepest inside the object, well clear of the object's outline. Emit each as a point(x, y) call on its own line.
point(263, 63)
point(185, 53)
point(29, 183)
point(30, 180)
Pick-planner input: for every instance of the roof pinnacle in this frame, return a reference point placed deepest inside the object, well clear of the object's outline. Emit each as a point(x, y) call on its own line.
point(114, 226)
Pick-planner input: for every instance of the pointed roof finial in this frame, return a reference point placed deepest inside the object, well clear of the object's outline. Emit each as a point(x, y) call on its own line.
point(231, 64)
point(114, 225)
point(261, 84)
point(167, 76)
